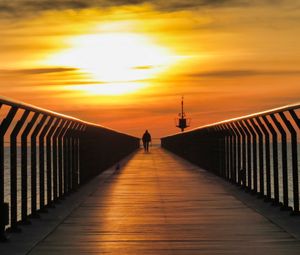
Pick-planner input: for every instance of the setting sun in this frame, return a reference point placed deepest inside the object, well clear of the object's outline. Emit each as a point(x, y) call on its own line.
point(120, 62)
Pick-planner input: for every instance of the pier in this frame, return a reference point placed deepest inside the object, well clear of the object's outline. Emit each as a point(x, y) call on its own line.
point(213, 190)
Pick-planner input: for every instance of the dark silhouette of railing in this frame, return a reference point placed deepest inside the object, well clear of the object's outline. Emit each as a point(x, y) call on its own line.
point(65, 152)
point(255, 151)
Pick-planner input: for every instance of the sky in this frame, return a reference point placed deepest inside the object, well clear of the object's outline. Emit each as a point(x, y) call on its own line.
point(125, 64)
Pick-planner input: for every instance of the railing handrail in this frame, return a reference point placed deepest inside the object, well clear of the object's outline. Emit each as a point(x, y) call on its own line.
point(258, 151)
point(64, 151)
point(252, 115)
point(33, 108)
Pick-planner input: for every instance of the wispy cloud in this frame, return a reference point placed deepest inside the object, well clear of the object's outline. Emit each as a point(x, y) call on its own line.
point(37, 71)
point(143, 67)
point(24, 7)
point(241, 73)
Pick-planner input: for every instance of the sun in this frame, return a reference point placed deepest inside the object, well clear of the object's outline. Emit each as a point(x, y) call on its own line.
point(121, 62)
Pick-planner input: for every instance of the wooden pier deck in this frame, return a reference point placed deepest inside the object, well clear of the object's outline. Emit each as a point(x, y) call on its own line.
point(160, 204)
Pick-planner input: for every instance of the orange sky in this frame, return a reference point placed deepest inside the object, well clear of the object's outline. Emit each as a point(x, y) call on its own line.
point(126, 65)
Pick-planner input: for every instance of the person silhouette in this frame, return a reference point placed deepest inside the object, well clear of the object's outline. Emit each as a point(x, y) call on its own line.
point(146, 140)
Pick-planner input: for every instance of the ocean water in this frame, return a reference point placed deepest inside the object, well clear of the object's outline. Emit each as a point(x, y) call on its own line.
point(280, 172)
point(156, 143)
point(7, 181)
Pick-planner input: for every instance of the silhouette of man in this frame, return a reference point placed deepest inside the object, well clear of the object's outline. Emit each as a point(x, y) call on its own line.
point(146, 140)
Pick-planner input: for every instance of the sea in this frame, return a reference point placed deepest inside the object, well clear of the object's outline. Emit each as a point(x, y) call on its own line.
point(155, 143)
point(7, 180)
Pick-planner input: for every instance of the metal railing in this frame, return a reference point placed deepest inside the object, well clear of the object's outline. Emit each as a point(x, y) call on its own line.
point(45, 155)
point(258, 152)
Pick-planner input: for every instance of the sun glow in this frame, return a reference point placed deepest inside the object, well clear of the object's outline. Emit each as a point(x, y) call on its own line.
point(114, 88)
point(120, 62)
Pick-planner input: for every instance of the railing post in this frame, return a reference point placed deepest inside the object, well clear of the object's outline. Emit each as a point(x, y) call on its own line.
point(24, 168)
point(285, 205)
point(268, 157)
point(260, 158)
point(233, 156)
point(295, 117)
point(61, 158)
point(275, 159)
point(242, 155)
point(254, 153)
point(66, 146)
point(34, 135)
point(227, 151)
point(224, 155)
point(212, 148)
point(49, 162)
point(294, 161)
point(55, 158)
point(75, 156)
point(202, 140)
point(72, 155)
point(231, 151)
point(42, 162)
point(249, 153)
point(216, 159)
point(13, 173)
point(218, 156)
point(295, 155)
point(237, 152)
point(220, 152)
point(83, 129)
point(3, 129)
point(72, 135)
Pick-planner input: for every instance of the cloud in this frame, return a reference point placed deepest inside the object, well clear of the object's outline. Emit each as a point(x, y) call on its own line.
point(143, 67)
point(242, 73)
point(177, 5)
point(37, 71)
point(27, 7)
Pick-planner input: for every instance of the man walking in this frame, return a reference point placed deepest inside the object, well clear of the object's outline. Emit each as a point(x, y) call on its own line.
point(146, 140)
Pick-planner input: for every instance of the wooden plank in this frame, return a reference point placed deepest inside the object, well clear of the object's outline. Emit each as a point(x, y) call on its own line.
point(159, 204)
